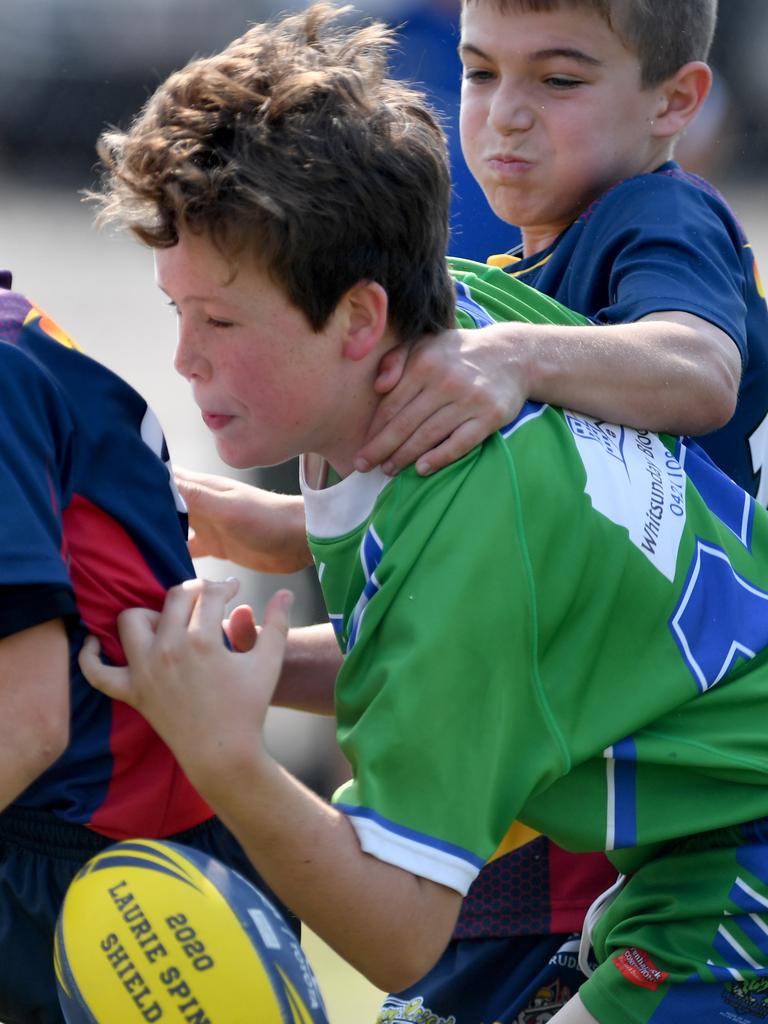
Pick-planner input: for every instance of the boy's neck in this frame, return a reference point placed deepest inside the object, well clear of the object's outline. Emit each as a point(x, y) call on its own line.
point(340, 456)
point(537, 238)
point(315, 471)
point(345, 435)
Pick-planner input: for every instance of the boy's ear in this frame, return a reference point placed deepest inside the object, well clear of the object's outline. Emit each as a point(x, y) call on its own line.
point(364, 310)
point(681, 97)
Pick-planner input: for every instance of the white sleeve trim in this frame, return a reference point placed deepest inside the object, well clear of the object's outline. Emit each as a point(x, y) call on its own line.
point(427, 862)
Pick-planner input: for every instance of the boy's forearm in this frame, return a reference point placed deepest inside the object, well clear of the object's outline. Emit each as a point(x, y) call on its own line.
point(290, 550)
point(669, 372)
point(389, 924)
point(209, 704)
point(312, 662)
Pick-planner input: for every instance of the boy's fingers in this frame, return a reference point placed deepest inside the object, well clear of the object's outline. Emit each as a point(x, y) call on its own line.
point(208, 611)
point(200, 482)
point(433, 431)
point(112, 680)
point(183, 474)
point(189, 485)
point(241, 629)
point(180, 603)
point(177, 608)
point(461, 441)
point(392, 405)
point(391, 369)
point(387, 436)
point(196, 548)
point(270, 649)
point(137, 628)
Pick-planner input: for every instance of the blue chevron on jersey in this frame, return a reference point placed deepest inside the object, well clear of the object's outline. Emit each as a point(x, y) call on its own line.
point(720, 618)
point(371, 551)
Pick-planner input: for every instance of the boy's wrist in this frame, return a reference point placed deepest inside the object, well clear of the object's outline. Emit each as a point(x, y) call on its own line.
point(545, 364)
point(522, 357)
point(229, 781)
point(290, 548)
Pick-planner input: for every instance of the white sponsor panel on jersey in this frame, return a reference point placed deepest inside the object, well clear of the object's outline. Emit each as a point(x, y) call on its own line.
point(634, 481)
point(152, 435)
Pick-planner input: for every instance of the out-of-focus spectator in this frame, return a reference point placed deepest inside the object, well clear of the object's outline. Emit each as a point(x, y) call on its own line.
point(739, 56)
point(70, 67)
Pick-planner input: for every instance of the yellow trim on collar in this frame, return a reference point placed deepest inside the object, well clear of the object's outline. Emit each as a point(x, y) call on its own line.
point(502, 260)
point(535, 266)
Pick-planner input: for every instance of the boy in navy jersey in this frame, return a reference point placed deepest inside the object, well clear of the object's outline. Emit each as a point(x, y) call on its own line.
point(570, 112)
point(91, 524)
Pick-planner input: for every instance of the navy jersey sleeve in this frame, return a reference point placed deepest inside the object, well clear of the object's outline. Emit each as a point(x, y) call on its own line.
point(671, 246)
point(23, 607)
point(35, 435)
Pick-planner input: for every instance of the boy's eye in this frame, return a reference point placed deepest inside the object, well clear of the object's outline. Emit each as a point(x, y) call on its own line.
point(561, 82)
point(476, 75)
point(213, 322)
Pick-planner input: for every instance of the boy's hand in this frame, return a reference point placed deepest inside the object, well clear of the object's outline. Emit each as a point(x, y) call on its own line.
point(206, 702)
point(244, 524)
point(442, 396)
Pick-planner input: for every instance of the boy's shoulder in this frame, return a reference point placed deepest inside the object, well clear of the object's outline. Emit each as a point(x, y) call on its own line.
point(21, 370)
point(341, 516)
point(486, 294)
point(32, 346)
point(669, 190)
point(26, 325)
point(14, 309)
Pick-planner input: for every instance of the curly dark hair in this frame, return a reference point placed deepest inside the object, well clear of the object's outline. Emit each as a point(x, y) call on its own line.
point(293, 146)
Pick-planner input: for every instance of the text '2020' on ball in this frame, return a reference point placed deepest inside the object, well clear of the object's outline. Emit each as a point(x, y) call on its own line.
point(155, 931)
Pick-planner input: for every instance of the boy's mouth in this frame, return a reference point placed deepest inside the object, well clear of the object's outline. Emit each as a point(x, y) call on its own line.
point(216, 420)
point(507, 162)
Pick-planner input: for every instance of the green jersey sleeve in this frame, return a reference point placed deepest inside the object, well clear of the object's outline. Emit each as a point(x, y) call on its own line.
point(438, 693)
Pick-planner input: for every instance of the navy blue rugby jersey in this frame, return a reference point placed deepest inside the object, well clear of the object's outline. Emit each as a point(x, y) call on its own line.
point(669, 241)
point(91, 524)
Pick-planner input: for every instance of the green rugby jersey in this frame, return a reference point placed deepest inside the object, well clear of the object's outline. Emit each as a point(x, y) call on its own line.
point(566, 627)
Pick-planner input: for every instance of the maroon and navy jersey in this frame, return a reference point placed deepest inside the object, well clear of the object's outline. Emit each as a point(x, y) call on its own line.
point(91, 524)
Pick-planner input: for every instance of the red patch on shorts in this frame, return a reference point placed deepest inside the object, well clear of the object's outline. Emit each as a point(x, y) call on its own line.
point(637, 967)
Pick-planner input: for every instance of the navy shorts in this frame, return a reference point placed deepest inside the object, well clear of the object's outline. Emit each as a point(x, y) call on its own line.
point(39, 856)
point(518, 980)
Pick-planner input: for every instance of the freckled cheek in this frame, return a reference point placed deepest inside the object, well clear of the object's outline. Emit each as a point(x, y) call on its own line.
point(472, 114)
point(263, 396)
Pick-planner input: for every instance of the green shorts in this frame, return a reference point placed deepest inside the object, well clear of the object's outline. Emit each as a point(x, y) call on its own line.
point(686, 939)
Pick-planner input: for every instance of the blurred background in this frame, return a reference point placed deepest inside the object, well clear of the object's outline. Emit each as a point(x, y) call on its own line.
point(72, 67)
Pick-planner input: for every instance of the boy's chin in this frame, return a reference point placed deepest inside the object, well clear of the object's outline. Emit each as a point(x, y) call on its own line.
point(255, 459)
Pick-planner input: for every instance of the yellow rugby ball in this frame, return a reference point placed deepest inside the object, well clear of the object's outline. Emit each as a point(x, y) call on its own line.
point(155, 931)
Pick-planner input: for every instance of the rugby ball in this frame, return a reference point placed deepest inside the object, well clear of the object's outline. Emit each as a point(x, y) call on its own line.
point(155, 931)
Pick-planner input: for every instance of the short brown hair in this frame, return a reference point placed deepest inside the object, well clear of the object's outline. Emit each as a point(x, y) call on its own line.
point(293, 146)
point(664, 34)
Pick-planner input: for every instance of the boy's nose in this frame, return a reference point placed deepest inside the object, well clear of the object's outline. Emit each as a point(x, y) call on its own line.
point(188, 359)
point(510, 111)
